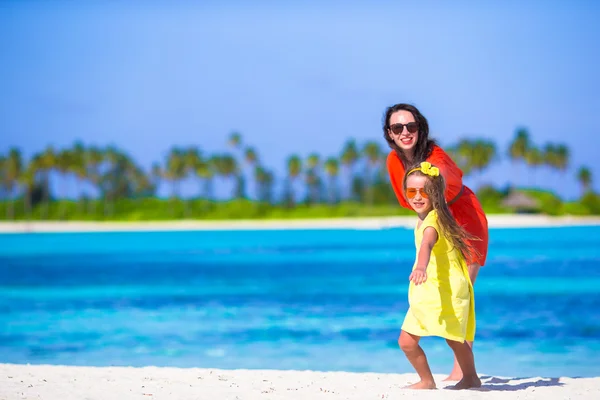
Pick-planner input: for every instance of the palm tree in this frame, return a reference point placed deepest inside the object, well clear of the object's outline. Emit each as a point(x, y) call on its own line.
point(64, 165)
point(483, 153)
point(216, 166)
point(372, 153)
point(94, 161)
point(294, 169)
point(251, 158)
point(549, 155)
point(562, 157)
point(191, 159)
point(79, 162)
point(534, 159)
point(230, 169)
point(584, 176)
point(235, 140)
point(332, 168)
point(250, 155)
point(205, 171)
point(4, 192)
point(27, 181)
point(348, 158)
point(519, 147)
point(264, 181)
point(12, 170)
point(45, 163)
point(462, 155)
point(175, 170)
point(109, 179)
point(156, 174)
point(313, 178)
point(226, 167)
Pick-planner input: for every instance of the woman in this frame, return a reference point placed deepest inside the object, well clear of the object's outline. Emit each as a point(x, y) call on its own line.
point(407, 132)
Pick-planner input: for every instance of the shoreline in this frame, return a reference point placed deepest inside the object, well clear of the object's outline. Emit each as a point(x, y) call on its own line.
point(57, 382)
point(359, 223)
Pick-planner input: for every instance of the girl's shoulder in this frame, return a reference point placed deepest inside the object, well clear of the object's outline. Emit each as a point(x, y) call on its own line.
point(431, 220)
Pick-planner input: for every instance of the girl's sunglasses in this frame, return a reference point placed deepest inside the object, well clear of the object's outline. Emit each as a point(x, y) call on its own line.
point(411, 127)
point(412, 192)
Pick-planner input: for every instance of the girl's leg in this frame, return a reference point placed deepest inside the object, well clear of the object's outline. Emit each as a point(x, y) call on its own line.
point(456, 374)
point(415, 354)
point(464, 355)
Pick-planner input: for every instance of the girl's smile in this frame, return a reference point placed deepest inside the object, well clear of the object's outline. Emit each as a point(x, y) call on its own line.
point(416, 195)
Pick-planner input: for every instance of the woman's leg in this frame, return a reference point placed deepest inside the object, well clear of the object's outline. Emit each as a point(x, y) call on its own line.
point(416, 356)
point(464, 355)
point(456, 374)
point(473, 271)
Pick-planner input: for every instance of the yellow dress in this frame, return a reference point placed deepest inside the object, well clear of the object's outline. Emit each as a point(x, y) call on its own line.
point(444, 305)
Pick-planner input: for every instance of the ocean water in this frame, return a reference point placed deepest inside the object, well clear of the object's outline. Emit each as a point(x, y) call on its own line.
point(295, 299)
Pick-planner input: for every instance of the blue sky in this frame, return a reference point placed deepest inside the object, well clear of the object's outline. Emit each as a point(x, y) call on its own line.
point(300, 76)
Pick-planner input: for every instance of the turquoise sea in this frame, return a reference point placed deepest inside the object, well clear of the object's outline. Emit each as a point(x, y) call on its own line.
point(289, 299)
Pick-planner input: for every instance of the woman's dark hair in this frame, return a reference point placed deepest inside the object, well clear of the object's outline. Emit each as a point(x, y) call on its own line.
point(424, 145)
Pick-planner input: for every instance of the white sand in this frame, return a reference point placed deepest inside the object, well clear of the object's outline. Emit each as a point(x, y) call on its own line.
point(81, 383)
point(495, 221)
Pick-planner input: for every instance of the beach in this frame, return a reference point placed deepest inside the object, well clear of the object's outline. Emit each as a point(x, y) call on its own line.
point(220, 299)
point(494, 220)
point(77, 383)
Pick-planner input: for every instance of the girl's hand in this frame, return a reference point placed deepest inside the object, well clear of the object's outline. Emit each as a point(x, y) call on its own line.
point(418, 276)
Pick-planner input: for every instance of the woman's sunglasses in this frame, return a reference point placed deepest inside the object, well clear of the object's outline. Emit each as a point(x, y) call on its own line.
point(412, 192)
point(411, 127)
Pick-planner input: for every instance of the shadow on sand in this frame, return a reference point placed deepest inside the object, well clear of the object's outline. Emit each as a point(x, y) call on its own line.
point(490, 383)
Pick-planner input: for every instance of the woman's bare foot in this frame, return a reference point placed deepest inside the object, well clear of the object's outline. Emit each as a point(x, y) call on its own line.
point(421, 385)
point(454, 376)
point(467, 383)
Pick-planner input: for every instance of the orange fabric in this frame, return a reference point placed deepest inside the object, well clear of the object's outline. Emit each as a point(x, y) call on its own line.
point(466, 209)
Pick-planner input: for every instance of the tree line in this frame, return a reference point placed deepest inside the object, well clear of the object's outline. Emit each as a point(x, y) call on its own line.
point(104, 176)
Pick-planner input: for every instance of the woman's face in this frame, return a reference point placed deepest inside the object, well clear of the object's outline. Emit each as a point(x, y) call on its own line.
point(404, 139)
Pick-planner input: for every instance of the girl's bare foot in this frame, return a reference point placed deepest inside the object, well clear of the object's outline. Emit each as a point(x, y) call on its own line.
point(467, 382)
point(421, 385)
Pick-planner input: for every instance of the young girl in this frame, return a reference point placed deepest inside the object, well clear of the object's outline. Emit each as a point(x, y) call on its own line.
point(440, 292)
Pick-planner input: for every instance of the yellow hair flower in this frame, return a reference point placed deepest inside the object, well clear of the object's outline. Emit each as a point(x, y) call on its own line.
point(427, 169)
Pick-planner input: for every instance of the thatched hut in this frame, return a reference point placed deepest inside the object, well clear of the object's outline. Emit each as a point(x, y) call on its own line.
point(519, 202)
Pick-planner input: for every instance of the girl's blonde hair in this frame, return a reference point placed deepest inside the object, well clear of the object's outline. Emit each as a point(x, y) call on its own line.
point(435, 187)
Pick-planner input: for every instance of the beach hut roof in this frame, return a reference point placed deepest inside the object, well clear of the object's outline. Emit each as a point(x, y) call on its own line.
point(519, 200)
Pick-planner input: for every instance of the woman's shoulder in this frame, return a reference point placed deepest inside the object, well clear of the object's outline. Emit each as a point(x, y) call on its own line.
point(437, 153)
point(393, 160)
point(439, 157)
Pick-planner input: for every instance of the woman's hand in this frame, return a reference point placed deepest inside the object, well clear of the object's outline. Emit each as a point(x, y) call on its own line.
point(418, 276)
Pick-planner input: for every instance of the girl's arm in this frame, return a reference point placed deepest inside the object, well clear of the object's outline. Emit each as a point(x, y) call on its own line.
point(419, 274)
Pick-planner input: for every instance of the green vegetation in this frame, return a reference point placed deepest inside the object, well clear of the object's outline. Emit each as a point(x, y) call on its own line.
point(111, 186)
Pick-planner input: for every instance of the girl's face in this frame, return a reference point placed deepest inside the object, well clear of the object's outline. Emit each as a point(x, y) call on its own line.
point(400, 133)
point(415, 188)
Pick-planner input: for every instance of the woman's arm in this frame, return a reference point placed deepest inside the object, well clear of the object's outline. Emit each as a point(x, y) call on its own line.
point(419, 274)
